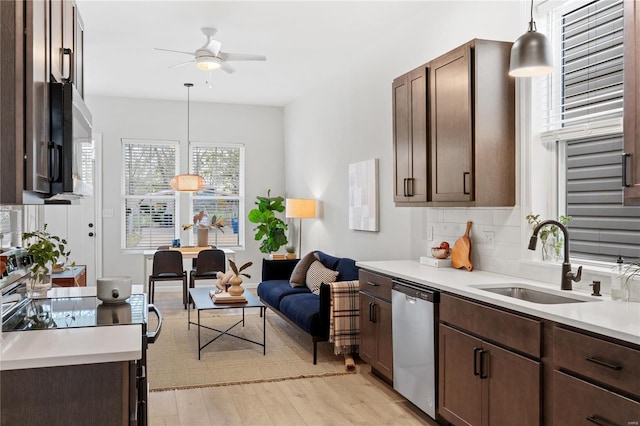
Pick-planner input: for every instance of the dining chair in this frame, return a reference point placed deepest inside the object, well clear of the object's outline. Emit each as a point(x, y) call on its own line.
point(167, 266)
point(209, 262)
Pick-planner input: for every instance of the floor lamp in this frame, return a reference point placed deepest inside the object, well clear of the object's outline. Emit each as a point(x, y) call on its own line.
point(300, 208)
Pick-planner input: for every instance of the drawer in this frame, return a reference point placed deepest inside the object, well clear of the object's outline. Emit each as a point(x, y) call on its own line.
point(576, 402)
point(606, 362)
point(375, 284)
point(507, 329)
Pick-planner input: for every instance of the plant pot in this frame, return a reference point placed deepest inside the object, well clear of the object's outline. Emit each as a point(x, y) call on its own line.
point(290, 256)
point(38, 285)
point(236, 288)
point(203, 237)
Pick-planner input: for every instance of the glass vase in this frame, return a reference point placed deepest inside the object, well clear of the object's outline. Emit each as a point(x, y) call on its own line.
point(38, 285)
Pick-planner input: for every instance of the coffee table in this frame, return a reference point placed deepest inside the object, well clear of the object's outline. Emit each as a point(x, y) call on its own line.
point(202, 302)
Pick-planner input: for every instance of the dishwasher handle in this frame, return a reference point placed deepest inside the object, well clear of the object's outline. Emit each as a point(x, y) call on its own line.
point(416, 291)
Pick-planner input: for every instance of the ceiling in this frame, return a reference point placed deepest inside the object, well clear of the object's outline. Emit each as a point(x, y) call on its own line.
point(305, 42)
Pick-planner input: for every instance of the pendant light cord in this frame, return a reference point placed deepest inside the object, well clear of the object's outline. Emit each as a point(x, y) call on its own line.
point(188, 86)
point(532, 24)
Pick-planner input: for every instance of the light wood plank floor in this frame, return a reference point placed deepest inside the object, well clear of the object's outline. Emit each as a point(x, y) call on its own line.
point(359, 398)
point(336, 400)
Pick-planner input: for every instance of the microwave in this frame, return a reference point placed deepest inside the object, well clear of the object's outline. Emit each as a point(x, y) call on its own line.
point(71, 158)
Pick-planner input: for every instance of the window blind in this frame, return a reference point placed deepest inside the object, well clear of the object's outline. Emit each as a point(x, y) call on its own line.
point(149, 202)
point(221, 167)
point(588, 84)
point(602, 228)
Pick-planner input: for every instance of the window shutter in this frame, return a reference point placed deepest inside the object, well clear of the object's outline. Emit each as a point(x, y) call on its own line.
point(588, 84)
point(602, 228)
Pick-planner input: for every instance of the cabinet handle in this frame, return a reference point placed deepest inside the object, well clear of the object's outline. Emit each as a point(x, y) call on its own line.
point(604, 364)
point(483, 374)
point(372, 284)
point(55, 162)
point(374, 318)
point(69, 52)
point(410, 186)
point(599, 421)
point(370, 312)
point(624, 169)
point(464, 182)
point(475, 361)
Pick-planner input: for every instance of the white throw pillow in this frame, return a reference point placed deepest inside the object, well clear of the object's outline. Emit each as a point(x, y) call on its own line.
point(318, 274)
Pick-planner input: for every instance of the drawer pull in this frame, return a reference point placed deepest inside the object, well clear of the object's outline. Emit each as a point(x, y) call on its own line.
point(475, 361)
point(372, 284)
point(604, 364)
point(483, 374)
point(599, 421)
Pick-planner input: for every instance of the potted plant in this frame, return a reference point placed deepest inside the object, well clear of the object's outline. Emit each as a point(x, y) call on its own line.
point(270, 229)
point(236, 288)
point(203, 224)
point(552, 242)
point(46, 251)
point(291, 252)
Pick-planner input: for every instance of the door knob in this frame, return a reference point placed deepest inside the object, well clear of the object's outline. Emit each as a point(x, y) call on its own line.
point(91, 234)
point(91, 225)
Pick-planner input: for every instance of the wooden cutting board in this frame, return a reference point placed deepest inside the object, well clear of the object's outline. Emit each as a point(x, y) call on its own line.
point(461, 252)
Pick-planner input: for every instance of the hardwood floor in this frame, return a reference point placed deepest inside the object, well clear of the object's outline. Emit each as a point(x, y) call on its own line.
point(337, 400)
point(351, 399)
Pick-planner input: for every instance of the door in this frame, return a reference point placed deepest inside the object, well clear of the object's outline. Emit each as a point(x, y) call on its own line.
point(451, 126)
point(401, 142)
point(384, 349)
point(460, 386)
point(632, 103)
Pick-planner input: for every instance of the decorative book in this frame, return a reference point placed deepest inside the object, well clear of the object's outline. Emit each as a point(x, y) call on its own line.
point(225, 297)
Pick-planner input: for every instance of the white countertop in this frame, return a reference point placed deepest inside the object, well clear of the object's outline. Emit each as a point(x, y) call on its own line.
point(71, 346)
point(620, 320)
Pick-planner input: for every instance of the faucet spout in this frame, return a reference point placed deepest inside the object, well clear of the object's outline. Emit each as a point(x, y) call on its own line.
point(567, 275)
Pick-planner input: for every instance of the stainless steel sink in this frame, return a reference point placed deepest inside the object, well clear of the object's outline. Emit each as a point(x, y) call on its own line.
point(535, 296)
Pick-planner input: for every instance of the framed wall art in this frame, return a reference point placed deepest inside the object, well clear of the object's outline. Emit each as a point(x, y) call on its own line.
point(363, 196)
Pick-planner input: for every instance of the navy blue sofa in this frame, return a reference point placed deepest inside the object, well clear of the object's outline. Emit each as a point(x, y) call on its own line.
point(307, 311)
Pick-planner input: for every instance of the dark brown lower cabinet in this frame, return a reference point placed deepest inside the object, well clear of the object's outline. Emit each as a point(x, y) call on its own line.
point(483, 384)
point(577, 402)
point(376, 346)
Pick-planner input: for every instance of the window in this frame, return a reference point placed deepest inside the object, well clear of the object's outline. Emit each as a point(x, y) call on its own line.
point(220, 165)
point(149, 203)
point(583, 113)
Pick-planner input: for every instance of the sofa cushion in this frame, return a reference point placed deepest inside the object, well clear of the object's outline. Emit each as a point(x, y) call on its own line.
point(304, 311)
point(273, 291)
point(318, 274)
point(347, 270)
point(299, 274)
point(327, 260)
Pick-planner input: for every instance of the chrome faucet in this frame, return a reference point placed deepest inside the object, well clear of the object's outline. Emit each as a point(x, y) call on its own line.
point(567, 275)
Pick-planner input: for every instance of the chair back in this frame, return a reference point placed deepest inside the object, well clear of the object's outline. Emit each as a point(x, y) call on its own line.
point(209, 262)
point(167, 263)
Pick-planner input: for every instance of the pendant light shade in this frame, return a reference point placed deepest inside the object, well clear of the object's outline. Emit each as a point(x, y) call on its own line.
point(531, 54)
point(187, 182)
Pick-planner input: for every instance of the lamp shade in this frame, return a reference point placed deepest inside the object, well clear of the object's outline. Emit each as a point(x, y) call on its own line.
point(531, 55)
point(187, 183)
point(300, 208)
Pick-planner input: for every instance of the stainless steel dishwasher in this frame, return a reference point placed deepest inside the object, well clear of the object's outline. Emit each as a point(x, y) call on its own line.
point(414, 320)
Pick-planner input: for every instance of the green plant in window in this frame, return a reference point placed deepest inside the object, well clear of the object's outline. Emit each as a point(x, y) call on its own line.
point(550, 235)
point(271, 229)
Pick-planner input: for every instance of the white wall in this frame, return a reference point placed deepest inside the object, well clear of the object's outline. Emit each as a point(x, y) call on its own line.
point(348, 119)
point(260, 129)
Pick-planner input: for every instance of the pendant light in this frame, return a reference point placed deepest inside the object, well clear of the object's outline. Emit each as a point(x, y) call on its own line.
point(531, 53)
point(187, 182)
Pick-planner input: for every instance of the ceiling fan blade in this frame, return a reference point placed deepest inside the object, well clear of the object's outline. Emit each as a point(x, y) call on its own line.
point(181, 64)
point(241, 57)
point(174, 51)
point(227, 68)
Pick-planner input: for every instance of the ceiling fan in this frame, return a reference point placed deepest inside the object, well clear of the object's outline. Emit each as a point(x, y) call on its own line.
point(210, 58)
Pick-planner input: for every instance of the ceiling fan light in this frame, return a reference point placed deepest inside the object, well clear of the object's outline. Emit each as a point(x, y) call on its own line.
point(208, 63)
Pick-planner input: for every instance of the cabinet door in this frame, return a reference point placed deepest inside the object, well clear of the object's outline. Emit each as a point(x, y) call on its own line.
point(452, 176)
point(367, 329)
point(384, 342)
point(512, 388)
point(632, 102)
point(459, 388)
point(401, 135)
point(62, 40)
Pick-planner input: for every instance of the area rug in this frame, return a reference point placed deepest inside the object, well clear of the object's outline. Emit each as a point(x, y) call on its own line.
point(172, 361)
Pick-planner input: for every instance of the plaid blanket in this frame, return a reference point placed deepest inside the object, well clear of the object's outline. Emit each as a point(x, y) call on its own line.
point(344, 312)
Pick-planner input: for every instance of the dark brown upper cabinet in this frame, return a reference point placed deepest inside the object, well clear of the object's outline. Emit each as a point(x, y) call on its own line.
point(631, 103)
point(410, 137)
point(469, 130)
